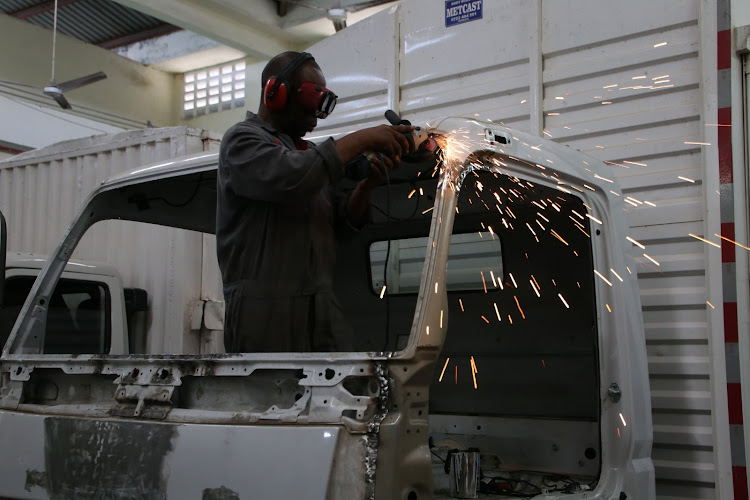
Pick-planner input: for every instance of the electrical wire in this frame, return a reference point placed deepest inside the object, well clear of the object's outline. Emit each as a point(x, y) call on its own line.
point(387, 255)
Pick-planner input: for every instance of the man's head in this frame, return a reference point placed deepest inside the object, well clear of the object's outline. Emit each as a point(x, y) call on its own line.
point(294, 94)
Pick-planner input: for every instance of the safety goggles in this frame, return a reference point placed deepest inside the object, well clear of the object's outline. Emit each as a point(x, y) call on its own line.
point(315, 98)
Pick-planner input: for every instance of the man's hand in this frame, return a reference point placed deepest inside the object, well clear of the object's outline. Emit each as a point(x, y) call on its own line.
point(387, 140)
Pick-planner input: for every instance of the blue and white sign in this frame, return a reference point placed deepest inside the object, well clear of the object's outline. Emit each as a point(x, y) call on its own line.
point(462, 11)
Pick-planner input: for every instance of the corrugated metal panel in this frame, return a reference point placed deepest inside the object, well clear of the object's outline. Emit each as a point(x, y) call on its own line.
point(40, 192)
point(92, 21)
point(589, 66)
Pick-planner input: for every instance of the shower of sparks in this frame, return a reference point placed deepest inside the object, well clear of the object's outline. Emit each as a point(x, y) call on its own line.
point(704, 240)
point(710, 304)
point(444, 367)
point(460, 302)
point(631, 240)
point(615, 273)
point(732, 241)
point(594, 219)
point(558, 236)
point(523, 316)
point(651, 259)
point(602, 277)
point(382, 292)
point(484, 283)
point(623, 420)
point(563, 300)
point(497, 312)
point(535, 289)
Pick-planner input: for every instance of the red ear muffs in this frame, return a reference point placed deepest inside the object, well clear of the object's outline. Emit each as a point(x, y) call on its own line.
point(274, 95)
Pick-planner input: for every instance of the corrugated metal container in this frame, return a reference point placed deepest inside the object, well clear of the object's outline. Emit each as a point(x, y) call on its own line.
point(630, 83)
point(41, 191)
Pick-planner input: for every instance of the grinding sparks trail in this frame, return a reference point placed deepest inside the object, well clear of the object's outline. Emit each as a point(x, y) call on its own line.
point(523, 316)
point(382, 292)
point(732, 241)
point(602, 277)
point(704, 240)
point(460, 302)
point(484, 283)
point(444, 367)
point(497, 312)
point(474, 372)
point(563, 300)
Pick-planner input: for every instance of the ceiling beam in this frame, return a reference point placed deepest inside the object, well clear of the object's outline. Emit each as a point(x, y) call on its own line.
point(138, 36)
point(231, 28)
point(40, 8)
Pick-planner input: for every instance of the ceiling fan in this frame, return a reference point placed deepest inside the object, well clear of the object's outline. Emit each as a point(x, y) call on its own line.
point(56, 90)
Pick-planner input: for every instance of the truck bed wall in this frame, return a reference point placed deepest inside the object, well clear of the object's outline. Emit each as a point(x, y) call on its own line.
point(42, 190)
point(571, 71)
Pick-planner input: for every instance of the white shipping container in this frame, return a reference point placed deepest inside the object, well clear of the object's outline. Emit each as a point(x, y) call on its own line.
point(41, 191)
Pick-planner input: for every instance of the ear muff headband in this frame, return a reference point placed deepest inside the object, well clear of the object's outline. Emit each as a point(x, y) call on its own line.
point(277, 89)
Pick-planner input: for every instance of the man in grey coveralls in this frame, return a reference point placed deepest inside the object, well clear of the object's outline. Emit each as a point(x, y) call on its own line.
point(278, 210)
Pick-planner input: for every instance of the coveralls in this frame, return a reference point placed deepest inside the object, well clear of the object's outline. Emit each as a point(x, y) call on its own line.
point(275, 241)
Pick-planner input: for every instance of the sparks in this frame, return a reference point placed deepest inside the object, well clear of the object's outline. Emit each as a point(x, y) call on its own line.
point(686, 179)
point(603, 178)
point(494, 281)
point(662, 44)
point(436, 287)
point(534, 287)
point(411, 194)
point(651, 259)
point(623, 420)
point(441, 318)
point(473, 372)
point(608, 308)
point(456, 379)
point(635, 163)
point(594, 218)
point(486, 320)
point(429, 209)
point(610, 86)
point(704, 240)
point(523, 316)
point(602, 277)
point(710, 304)
point(474, 365)
point(639, 77)
point(631, 240)
point(460, 303)
point(615, 273)
point(558, 237)
point(698, 143)
point(732, 241)
point(497, 312)
point(513, 280)
point(382, 292)
point(444, 367)
point(427, 330)
point(484, 283)
point(563, 300)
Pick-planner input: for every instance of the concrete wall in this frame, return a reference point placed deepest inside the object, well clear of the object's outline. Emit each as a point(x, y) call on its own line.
point(131, 95)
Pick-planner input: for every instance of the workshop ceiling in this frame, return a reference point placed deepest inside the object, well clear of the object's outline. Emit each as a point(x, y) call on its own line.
point(238, 28)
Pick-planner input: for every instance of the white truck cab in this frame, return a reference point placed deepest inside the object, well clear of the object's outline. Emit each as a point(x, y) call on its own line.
point(492, 312)
point(87, 310)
